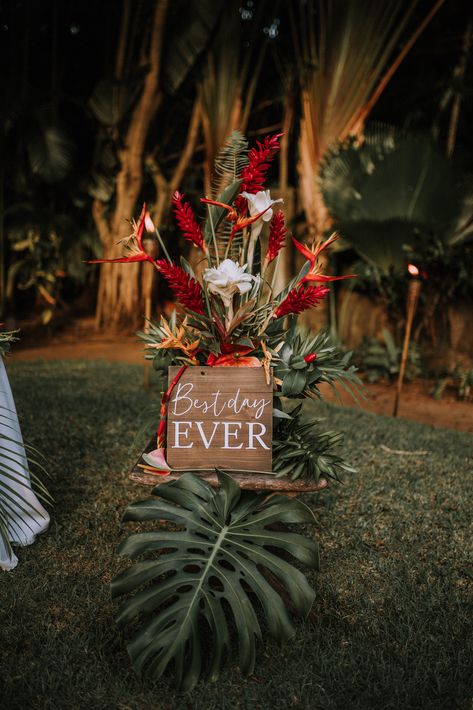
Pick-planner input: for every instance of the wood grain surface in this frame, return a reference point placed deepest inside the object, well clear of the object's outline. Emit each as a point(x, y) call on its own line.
point(145, 475)
point(220, 417)
point(248, 481)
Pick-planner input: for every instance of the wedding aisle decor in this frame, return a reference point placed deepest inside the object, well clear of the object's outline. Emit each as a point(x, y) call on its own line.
point(223, 571)
point(22, 516)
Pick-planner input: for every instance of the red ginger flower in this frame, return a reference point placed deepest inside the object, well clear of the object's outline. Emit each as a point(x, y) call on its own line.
point(187, 222)
point(186, 289)
point(300, 299)
point(277, 235)
point(259, 161)
point(253, 175)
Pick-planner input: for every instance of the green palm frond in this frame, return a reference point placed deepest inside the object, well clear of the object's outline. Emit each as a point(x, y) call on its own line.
point(346, 51)
point(189, 40)
point(210, 579)
point(392, 174)
point(331, 365)
point(229, 80)
point(304, 450)
point(111, 100)
point(16, 481)
point(395, 189)
point(49, 148)
point(232, 157)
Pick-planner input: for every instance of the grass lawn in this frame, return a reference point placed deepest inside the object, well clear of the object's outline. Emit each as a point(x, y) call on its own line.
point(392, 623)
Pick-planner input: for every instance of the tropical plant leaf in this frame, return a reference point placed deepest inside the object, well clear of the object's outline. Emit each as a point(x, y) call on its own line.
point(232, 157)
point(230, 77)
point(331, 365)
point(345, 52)
point(189, 39)
point(49, 148)
point(16, 482)
point(303, 450)
point(383, 201)
point(111, 100)
point(209, 579)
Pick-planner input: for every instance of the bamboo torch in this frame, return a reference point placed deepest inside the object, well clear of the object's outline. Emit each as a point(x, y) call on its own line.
point(151, 247)
point(413, 292)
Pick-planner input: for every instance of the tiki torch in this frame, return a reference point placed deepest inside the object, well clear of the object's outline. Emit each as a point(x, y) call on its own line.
point(413, 292)
point(151, 247)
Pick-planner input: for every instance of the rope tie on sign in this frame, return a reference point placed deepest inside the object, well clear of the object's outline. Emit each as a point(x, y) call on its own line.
point(161, 433)
point(156, 459)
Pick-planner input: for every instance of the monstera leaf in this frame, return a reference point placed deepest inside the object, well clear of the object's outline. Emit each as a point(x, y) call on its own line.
point(213, 578)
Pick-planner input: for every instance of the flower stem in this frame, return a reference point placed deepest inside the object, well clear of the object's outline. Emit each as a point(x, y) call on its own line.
point(275, 272)
point(214, 238)
point(161, 243)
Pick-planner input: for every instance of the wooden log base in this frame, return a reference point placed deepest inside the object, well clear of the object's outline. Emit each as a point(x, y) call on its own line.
point(145, 476)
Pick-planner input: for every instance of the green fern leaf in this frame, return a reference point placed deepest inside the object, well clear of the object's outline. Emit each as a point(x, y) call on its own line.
point(232, 157)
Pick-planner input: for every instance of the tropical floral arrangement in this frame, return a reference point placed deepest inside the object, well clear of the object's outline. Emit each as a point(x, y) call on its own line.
point(228, 312)
point(222, 569)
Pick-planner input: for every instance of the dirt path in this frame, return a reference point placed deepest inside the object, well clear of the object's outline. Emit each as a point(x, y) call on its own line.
point(417, 404)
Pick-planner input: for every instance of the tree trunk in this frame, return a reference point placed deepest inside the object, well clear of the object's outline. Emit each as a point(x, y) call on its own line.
point(119, 298)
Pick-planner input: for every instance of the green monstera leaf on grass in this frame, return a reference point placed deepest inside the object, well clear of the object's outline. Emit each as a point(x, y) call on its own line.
point(209, 580)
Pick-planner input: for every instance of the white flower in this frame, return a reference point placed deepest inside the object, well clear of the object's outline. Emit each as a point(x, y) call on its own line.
point(257, 203)
point(228, 279)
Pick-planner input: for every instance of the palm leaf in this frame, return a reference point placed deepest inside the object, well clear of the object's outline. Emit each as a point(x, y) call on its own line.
point(229, 79)
point(207, 580)
point(16, 481)
point(49, 148)
point(303, 450)
point(232, 157)
point(395, 189)
point(188, 40)
point(346, 53)
point(19, 506)
point(111, 99)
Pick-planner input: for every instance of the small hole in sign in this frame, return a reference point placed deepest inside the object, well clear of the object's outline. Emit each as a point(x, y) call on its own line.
point(202, 372)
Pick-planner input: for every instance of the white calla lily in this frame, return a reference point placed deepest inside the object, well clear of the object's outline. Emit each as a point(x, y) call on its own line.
point(226, 280)
point(256, 204)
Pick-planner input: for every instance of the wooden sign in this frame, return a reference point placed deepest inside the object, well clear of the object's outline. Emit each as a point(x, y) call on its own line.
point(220, 417)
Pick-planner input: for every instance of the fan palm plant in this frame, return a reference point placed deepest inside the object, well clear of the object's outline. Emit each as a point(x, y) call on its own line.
point(228, 83)
point(346, 52)
point(391, 190)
